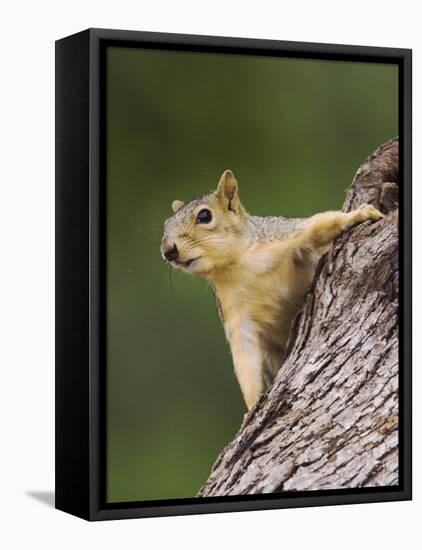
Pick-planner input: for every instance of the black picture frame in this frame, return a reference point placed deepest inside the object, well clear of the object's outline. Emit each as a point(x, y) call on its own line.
point(80, 273)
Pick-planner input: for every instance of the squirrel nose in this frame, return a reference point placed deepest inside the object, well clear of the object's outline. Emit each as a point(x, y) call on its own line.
point(171, 253)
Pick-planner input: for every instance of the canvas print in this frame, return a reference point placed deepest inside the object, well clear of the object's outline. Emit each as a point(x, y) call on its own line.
point(252, 278)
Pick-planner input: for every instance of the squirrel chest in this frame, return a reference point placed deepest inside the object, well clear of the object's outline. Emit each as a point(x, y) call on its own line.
point(258, 299)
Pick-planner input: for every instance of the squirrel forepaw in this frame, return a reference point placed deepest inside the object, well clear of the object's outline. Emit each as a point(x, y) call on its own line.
point(368, 212)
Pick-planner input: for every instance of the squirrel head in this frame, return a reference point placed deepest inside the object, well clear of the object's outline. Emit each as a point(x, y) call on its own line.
point(201, 237)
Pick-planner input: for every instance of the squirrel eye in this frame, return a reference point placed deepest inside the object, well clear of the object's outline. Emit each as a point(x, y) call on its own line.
point(204, 216)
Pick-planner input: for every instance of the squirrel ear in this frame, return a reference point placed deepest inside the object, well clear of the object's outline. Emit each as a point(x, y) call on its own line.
point(176, 205)
point(227, 191)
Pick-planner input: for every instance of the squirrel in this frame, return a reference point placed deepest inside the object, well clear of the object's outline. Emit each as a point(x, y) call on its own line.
point(259, 269)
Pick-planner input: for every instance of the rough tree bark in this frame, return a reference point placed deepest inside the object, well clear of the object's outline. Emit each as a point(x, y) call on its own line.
point(330, 420)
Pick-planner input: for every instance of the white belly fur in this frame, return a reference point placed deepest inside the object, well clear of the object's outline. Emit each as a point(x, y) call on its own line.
point(258, 308)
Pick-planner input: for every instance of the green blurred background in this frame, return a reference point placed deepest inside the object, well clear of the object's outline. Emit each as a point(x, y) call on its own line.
point(294, 132)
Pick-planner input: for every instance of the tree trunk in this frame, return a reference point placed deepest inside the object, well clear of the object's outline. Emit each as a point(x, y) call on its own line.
point(330, 420)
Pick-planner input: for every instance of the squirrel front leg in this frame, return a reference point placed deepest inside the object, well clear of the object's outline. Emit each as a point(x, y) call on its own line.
point(324, 228)
point(247, 361)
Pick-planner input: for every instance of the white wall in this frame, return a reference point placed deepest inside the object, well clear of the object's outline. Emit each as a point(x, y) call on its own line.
point(29, 29)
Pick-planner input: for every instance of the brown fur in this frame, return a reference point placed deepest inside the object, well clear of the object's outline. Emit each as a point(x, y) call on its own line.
point(260, 269)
